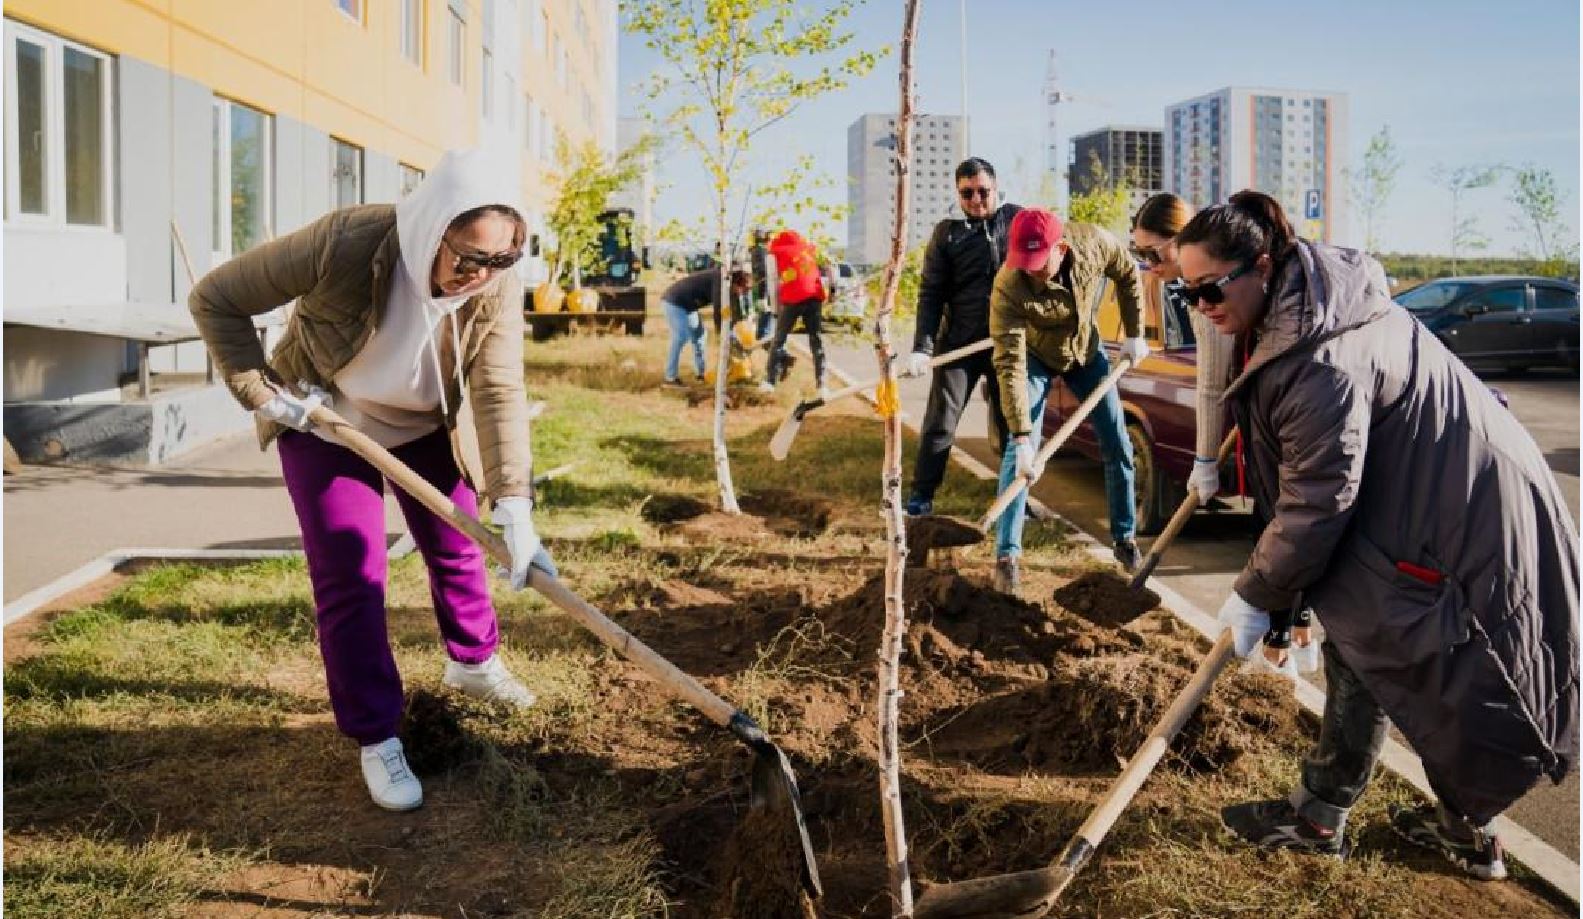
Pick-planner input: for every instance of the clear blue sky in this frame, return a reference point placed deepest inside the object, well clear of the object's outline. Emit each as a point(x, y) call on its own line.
point(1458, 82)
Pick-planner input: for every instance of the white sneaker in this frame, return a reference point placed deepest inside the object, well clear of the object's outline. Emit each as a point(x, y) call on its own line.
point(489, 680)
point(766, 386)
point(390, 781)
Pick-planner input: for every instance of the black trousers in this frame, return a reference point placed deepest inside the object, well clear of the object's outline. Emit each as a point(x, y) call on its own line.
point(1339, 767)
point(808, 311)
point(950, 389)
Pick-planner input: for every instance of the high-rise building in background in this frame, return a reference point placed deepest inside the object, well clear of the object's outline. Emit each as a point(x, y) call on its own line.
point(1124, 153)
point(939, 144)
point(1290, 144)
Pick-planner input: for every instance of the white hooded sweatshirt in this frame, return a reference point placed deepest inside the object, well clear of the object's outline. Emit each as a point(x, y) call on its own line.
point(392, 389)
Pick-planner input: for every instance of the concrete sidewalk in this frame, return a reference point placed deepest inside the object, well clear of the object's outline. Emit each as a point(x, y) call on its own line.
point(227, 495)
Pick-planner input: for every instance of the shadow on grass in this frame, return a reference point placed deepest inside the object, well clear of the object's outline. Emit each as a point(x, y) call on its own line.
point(56, 678)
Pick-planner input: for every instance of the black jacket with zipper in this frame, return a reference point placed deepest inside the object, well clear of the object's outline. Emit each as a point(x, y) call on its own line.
point(959, 268)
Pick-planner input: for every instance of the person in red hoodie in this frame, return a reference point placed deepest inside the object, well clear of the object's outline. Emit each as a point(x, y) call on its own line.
point(802, 296)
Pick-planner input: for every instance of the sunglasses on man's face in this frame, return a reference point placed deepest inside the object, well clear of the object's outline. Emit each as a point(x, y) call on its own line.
point(472, 263)
point(1214, 292)
point(968, 194)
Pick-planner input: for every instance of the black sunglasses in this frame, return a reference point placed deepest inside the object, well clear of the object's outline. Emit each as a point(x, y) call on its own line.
point(1146, 254)
point(1214, 292)
point(968, 194)
point(471, 264)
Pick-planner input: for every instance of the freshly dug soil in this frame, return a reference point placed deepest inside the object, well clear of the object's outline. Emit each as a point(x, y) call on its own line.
point(760, 869)
point(737, 396)
point(937, 532)
point(789, 513)
point(1094, 714)
point(673, 508)
point(1103, 598)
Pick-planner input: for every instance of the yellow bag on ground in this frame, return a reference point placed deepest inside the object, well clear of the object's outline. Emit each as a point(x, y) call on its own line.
point(548, 298)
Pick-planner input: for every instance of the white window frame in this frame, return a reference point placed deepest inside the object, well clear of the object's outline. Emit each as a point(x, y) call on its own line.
point(221, 246)
point(486, 84)
point(336, 144)
point(456, 46)
point(403, 172)
point(54, 215)
point(412, 32)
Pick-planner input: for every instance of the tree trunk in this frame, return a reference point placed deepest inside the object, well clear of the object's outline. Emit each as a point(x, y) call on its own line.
point(896, 857)
point(728, 494)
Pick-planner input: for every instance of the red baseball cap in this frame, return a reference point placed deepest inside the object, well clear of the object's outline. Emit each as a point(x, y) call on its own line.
point(1034, 232)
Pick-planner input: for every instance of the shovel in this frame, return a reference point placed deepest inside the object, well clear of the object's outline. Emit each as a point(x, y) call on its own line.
point(951, 533)
point(774, 785)
point(1177, 522)
point(1030, 894)
point(780, 444)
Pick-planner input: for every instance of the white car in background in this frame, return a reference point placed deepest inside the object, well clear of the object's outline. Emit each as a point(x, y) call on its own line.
point(848, 296)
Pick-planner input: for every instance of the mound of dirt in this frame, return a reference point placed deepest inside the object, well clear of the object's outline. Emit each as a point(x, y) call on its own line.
point(936, 532)
point(717, 528)
point(958, 624)
point(1093, 715)
point(790, 513)
point(1105, 599)
point(663, 509)
point(736, 396)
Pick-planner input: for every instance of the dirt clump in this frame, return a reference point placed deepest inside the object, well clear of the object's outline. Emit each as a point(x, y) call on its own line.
point(1092, 715)
point(663, 509)
point(790, 513)
point(1104, 598)
point(760, 869)
point(935, 532)
point(736, 397)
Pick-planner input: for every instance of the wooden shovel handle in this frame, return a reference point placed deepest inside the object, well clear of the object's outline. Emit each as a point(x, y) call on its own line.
point(1018, 484)
point(614, 636)
point(1184, 513)
point(936, 361)
point(1148, 756)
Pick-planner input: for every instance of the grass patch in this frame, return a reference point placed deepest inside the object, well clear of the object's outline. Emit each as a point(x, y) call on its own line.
point(108, 879)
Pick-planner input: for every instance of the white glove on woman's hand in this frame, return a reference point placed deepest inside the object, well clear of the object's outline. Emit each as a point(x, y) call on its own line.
point(515, 517)
point(292, 410)
point(1248, 623)
point(1135, 348)
point(1204, 479)
point(916, 364)
point(1271, 660)
point(1028, 462)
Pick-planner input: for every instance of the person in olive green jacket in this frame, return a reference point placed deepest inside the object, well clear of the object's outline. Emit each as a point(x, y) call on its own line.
point(1042, 317)
point(403, 312)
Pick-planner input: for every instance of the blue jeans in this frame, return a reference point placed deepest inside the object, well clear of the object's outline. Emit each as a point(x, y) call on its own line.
point(1115, 450)
point(686, 325)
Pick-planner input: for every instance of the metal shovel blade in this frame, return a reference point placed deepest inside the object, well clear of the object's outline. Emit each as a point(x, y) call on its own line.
point(1022, 895)
point(775, 788)
point(780, 443)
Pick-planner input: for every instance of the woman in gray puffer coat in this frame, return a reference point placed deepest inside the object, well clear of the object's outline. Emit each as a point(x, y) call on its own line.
point(1419, 521)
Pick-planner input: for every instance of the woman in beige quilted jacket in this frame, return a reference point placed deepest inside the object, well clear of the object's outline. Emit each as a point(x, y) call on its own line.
point(402, 313)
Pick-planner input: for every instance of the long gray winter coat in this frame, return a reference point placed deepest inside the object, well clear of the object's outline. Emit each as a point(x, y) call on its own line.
point(1420, 521)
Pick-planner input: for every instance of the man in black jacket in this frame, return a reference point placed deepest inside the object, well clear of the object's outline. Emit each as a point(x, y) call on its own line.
point(959, 268)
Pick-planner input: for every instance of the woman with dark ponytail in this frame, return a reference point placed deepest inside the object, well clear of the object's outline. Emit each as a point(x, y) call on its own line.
point(1154, 229)
point(1419, 521)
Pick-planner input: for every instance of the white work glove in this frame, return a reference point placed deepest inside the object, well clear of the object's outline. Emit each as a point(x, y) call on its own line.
point(916, 364)
point(515, 516)
point(1028, 462)
point(1248, 623)
point(1135, 348)
point(1272, 661)
point(292, 410)
point(1306, 657)
point(1204, 479)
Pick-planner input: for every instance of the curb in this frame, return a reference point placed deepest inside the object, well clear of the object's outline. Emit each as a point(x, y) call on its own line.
point(1552, 867)
point(116, 559)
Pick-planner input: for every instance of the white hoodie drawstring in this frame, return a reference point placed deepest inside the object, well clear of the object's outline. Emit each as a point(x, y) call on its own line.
point(434, 354)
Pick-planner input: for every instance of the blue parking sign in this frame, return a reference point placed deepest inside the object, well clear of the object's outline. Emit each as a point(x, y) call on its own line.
point(1312, 204)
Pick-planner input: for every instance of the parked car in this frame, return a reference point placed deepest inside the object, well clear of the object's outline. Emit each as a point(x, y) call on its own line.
point(848, 298)
point(1501, 321)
